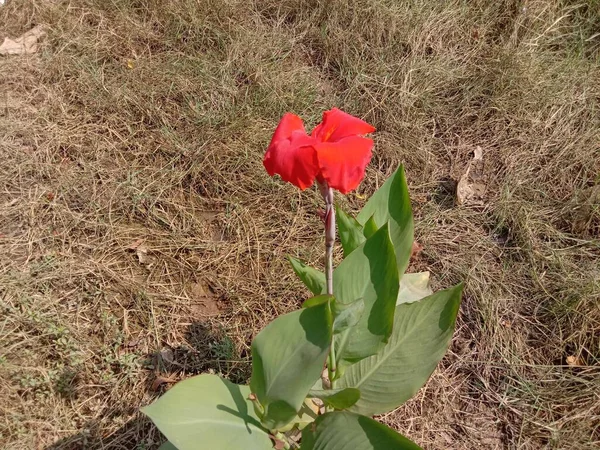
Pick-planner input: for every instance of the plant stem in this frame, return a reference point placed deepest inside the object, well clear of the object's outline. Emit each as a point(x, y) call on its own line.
point(327, 193)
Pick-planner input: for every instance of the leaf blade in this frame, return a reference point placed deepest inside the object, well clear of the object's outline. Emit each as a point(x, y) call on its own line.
point(369, 273)
point(391, 203)
point(206, 408)
point(287, 358)
point(342, 430)
point(337, 398)
point(422, 332)
point(413, 287)
point(350, 232)
point(313, 279)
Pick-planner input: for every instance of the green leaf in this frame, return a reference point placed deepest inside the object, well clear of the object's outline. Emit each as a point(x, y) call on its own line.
point(317, 300)
point(391, 203)
point(413, 287)
point(370, 273)
point(422, 332)
point(311, 277)
point(370, 227)
point(337, 398)
point(209, 410)
point(350, 231)
point(344, 430)
point(346, 316)
point(305, 416)
point(167, 446)
point(287, 358)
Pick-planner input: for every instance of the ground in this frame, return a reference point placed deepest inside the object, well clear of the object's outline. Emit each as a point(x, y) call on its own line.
point(142, 241)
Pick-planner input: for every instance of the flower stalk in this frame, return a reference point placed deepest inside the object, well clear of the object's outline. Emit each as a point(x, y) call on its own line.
point(327, 194)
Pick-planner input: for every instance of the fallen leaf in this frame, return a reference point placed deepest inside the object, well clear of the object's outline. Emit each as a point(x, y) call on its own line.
point(416, 249)
point(573, 360)
point(142, 254)
point(133, 342)
point(130, 64)
point(136, 244)
point(167, 355)
point(464, 190)
point(312, 404)
point(25, 44)
point(467, 190)
point(159, 381)
point(325, 379)
point(204, 301)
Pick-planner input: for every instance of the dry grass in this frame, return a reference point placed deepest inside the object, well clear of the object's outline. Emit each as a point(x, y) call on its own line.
point(146, 120)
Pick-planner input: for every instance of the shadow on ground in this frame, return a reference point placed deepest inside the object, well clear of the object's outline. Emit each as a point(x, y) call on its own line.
point(207, 350)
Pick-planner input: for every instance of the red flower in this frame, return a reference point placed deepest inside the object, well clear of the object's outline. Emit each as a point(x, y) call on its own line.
point(335, 152)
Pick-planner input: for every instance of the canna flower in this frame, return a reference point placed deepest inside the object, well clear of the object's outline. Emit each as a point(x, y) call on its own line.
point(335, 154)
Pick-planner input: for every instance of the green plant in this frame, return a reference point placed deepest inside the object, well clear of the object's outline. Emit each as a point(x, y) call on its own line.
point(379, 331)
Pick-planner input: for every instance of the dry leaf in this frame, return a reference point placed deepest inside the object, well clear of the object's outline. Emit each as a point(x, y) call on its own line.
point(130, 64)
point(464, 190)
point(467, 190)
point(312, 404)
point(142, 254)
point(204, 302)
point(167, 355)
point(573, 360)
point(133, 342)
point(416, 249)
point(325, 379)
point(159, 381)
point(136, 244)
point(27, 43)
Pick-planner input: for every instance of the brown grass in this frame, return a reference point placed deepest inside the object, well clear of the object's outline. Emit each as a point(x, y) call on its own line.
point(139, 129)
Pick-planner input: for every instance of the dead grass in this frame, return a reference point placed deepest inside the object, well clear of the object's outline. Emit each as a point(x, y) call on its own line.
point(141, 125)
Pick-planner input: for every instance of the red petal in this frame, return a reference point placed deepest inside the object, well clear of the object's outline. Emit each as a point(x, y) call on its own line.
point(343, 163)
point(291, 153)
point(337, 125)
point(287, 125)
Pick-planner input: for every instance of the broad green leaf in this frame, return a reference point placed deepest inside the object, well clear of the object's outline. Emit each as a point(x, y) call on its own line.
point(288, 356)
point(413, 287)
point(342, 430)
point(370, 273)
point(391, 203)
point(337, 398)
point(346, 316)
point(307, 414)
point(350, 231)
point(370, 227)
point(167, 446)
point(311, 277)
point(422, 332)
point(317, 300)
point(209, 410)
